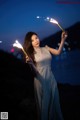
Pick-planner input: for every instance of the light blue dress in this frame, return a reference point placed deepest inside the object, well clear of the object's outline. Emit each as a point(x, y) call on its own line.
point(45, 85)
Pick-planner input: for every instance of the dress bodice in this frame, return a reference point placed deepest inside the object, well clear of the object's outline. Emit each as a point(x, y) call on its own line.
point(42, 57)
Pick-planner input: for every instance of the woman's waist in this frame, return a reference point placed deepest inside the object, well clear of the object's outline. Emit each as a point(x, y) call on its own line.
point(44, 68)
point(39, 66)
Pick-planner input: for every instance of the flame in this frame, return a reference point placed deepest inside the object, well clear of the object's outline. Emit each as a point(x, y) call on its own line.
point(53, 21)
point(17, 44)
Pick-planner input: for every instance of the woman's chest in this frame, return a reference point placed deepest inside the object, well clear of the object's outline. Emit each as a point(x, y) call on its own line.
point(43, 56)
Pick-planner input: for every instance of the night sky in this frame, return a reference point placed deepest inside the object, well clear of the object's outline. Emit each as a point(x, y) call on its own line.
point(17, 17)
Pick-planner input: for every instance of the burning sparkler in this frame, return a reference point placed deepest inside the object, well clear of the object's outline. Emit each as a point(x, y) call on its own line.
point(52, 21)
point(18, 45)
point(55, 22)
point(30, 62)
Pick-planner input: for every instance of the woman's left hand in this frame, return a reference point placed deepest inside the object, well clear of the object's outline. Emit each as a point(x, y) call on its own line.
point(64, 35)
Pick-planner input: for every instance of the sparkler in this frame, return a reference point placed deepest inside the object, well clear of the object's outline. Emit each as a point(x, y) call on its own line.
point(52, 21)
point(55, 22)
point(30, 62)
point(18, 45)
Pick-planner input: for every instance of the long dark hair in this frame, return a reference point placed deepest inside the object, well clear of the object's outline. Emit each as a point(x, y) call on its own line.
point(27, 45)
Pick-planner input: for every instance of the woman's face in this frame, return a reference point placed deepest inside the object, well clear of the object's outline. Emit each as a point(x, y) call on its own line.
point(35, 41)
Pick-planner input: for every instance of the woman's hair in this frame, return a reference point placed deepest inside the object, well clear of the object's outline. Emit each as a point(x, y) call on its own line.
point(27, 45)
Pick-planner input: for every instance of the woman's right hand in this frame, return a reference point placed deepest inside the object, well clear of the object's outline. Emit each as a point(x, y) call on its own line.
point(27, 59)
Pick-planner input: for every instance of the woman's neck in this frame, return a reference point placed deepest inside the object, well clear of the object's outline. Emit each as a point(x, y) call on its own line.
point(37, 48)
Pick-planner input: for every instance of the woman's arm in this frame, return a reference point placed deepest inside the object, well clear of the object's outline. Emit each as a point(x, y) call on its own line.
point(55, 51)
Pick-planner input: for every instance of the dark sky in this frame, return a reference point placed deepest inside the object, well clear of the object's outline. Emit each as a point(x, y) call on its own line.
point(17, 17)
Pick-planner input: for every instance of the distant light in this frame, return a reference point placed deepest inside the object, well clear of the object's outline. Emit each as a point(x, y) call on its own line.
point(69, 48)
point(64, 49)
point(66, 43)
point(47, 18)
point(58, 44)
point(0, 41)
point(12, 50)
point(38, 17)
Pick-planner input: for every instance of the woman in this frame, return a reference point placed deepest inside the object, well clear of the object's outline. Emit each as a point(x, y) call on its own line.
point(45, 85)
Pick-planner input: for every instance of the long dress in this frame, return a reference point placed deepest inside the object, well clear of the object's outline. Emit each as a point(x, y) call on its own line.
point(45, 85)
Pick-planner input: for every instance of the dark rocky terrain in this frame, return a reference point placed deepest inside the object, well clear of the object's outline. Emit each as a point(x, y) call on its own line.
point(17, 91)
